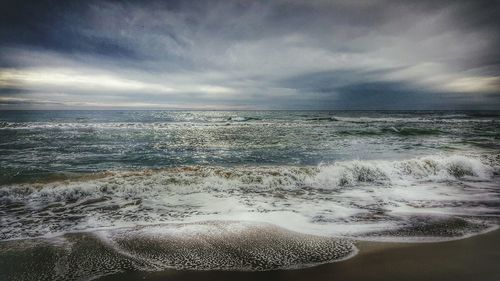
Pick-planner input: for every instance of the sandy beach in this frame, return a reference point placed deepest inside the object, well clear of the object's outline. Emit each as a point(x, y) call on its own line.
point(474, 258)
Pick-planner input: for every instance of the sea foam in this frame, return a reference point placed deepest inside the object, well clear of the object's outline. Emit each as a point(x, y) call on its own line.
point(346, 198)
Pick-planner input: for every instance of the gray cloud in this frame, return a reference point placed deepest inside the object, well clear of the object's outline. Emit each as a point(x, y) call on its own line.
point(251, 54)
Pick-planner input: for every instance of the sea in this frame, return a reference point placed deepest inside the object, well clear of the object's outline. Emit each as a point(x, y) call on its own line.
point(90, 193)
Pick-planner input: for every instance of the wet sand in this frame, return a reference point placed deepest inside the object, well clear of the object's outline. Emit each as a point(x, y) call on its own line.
point(476, 259)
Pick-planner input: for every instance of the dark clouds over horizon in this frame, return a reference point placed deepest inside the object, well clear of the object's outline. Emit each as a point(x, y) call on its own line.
point(294, 54)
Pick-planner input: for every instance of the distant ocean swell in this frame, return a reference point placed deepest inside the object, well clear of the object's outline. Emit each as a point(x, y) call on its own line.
point(406, 130)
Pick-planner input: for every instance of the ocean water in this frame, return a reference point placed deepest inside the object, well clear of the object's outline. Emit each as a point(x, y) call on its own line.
point(303, 183)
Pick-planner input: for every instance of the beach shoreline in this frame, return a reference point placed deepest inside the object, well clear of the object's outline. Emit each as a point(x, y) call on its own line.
point(473, 258)
point(151, 195)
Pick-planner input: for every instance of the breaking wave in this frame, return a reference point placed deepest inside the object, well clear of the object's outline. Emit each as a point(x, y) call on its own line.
point(434, 169)
point(342, 199)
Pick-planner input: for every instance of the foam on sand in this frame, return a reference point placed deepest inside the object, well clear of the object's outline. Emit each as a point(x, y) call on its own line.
point(196, 246)
point(227, 246)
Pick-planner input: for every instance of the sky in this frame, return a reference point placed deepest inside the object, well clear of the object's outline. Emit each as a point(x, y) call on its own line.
point(282, 54)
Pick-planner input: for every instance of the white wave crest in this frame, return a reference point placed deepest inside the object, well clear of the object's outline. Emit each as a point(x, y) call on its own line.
point(430, 168)
point(343, 198)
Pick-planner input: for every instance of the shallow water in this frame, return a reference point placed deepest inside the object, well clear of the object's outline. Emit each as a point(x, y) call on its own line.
point(240, 246)
point(396, 176)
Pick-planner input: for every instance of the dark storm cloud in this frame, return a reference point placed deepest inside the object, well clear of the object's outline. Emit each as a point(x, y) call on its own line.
point(250, 54)
point(51, 25)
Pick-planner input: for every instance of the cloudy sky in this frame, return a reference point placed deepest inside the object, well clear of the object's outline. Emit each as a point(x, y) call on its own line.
point(296, 54)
